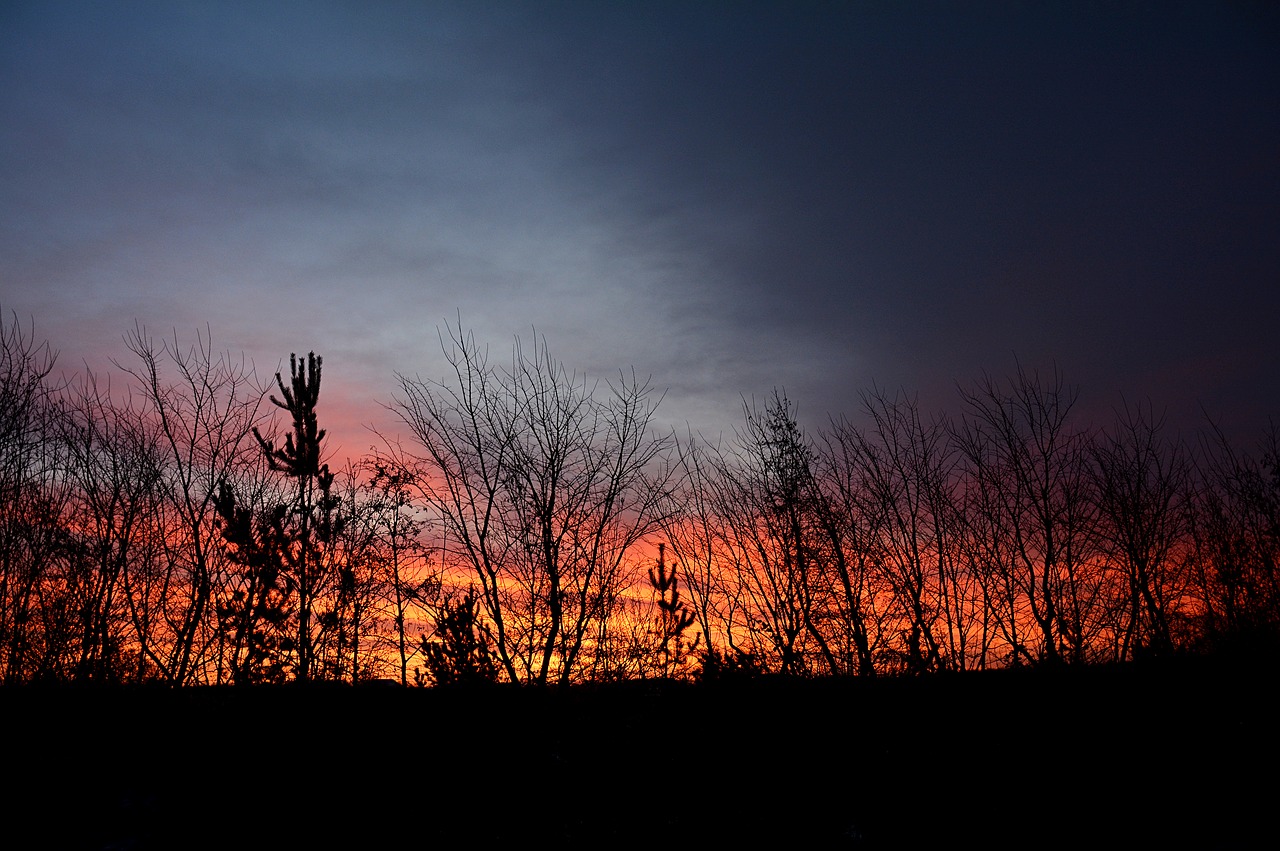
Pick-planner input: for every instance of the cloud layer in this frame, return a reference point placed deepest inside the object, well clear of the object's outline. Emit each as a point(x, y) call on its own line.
point(730, 198)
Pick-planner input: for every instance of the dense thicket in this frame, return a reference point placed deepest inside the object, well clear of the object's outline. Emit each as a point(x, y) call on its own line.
point(537, 528)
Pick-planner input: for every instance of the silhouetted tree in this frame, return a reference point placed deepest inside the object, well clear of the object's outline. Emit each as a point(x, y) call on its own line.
point(35, 497)
point(257, 615)
point(460, 653)
point(285, 546)
point(314, 520)
point(1235, 534)
point(694, 531)
point(115, 467)
point(901, 471)
point(774, 530)
point(541, 488)
point(672, 619)
point(1031, 515)
point(772, 550)
point(1141, 485)
point(203, 413)
point(380, 577)
point(411, 580)
point(852, 538)
point(156, 533)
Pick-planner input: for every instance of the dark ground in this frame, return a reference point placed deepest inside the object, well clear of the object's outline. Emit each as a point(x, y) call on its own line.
point(1154, 756)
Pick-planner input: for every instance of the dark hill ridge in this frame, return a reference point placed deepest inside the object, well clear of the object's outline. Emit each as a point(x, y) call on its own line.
point(1135, 756)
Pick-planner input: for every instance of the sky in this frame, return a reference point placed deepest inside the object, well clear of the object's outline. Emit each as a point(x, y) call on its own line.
point(730, 198)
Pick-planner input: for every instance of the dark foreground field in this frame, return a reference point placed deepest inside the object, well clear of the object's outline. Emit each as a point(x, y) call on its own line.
point(1180, 756)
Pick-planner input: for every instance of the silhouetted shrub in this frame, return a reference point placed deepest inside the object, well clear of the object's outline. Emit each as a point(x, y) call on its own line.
point(728, 665)
point(461, 653)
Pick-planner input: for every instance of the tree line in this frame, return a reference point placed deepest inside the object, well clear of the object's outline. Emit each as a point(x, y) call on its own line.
point(536, 526)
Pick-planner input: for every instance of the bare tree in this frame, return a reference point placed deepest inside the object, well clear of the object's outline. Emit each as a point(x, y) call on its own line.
point(774, 537)
point(382, 583)
point(35, 497)
point(411, 578)
point(772, 549)
point(904, 468)
point(694, 531)
point(1235, 544)
point(204, 414)
point(542, 489)
point(1031, 515)
point(160, 532)
point(1141, 484)
point(856, 546)
point(115, 466)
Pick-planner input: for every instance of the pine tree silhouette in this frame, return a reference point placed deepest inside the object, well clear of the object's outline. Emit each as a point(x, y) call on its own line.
point(314, 509)
point(256, 616)
point(673, 617)
point(461, 653)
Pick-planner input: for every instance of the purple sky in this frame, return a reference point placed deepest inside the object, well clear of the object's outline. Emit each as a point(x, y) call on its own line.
point(729, 197)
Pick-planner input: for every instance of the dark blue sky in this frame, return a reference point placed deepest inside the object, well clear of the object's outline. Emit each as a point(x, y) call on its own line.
point(730, 197)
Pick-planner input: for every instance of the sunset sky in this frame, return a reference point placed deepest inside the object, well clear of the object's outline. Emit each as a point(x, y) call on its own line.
point(728, 197)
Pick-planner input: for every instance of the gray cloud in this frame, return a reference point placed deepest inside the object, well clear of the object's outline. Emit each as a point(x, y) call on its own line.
point(728, 199)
